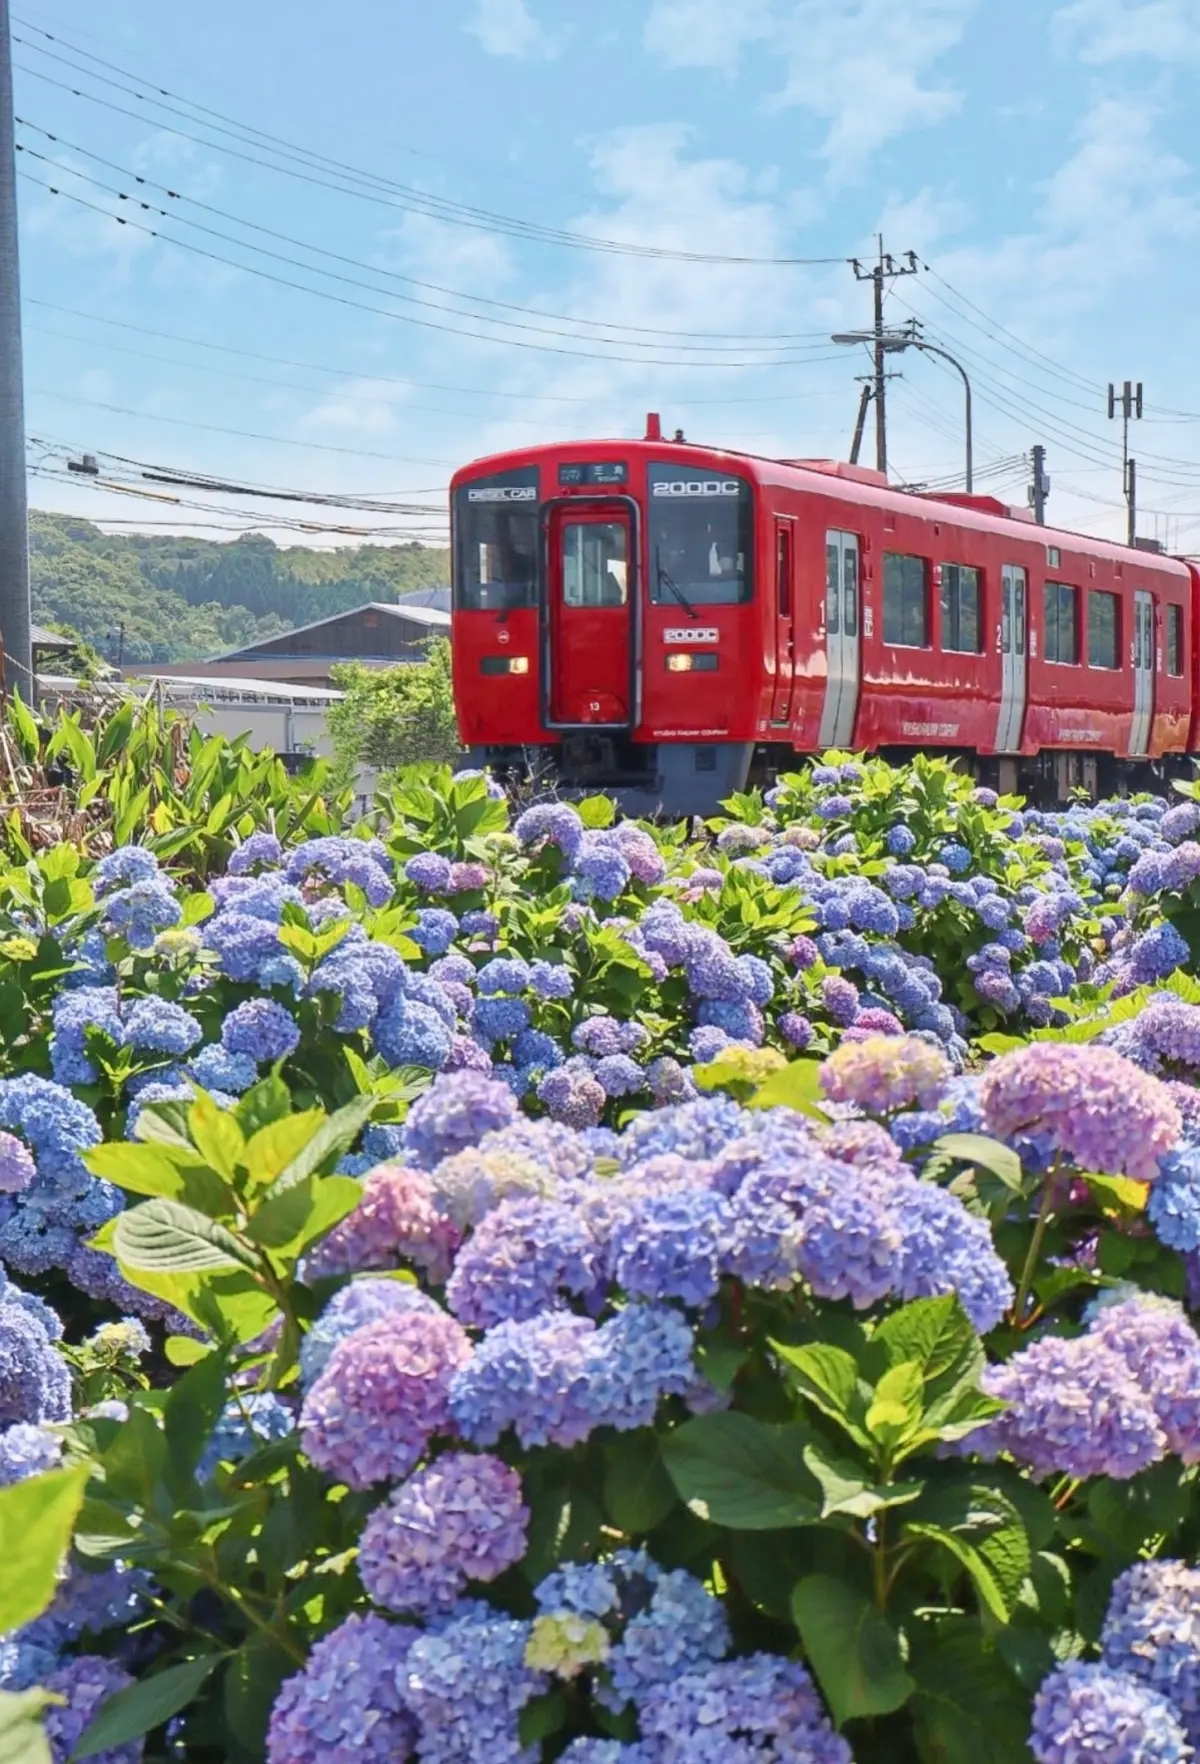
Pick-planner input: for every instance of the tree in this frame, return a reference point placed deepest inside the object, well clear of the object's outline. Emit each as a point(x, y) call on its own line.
point(399, 716)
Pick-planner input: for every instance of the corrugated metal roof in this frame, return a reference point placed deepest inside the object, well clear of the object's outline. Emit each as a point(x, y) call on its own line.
point(430, 616)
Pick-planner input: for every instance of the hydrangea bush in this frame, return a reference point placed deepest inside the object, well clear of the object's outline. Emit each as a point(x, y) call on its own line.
point(562, 1289)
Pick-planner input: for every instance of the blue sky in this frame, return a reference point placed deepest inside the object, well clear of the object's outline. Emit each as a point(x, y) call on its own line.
point(1042, 160)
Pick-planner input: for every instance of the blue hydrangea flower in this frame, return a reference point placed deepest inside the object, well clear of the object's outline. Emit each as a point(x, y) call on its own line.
point(27, 1450)
point(346, 1705)
point(262, 1029)
point(1085, 1711)
point(156, 1025)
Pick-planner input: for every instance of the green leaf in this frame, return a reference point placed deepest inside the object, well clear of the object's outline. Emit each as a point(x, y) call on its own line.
point(982, 1529)
point(797, 1086)
point(542, 1716)
point(22, 1735)
point(335, 1136)
point(215, 1134)
point(1122, 1191)
point(144, 1705)
point(252, 1681)
point(638, 1491)
point(828, 1377)
point(596, 811)
point(966, 1707)
point(852, 1649)
point(268, 1100)
point(185, 1350)
point(736, 1471)
point(162, 1170)
point(190, 1413)
point(277, 1143)
point(934, 1334)
point(290, 1219)
point(166, 1237)
point(197, 908)
point(36, 1520)
point(987, 1154)
point(847, 1490)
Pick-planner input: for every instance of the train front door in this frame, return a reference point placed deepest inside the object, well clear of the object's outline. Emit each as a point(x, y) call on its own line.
point(1014, 642)
point(1143, 672)
point(842, 663)
point(785, 630)
point(589, 615)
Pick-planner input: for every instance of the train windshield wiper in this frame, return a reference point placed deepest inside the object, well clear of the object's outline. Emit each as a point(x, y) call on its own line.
point(668, 582)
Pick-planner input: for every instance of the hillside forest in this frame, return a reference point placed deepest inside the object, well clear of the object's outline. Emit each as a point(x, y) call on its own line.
point(184, 599)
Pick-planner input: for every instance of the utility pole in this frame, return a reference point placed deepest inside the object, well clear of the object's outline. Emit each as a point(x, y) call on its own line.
point(861, 423)
point(1039, 490)
point(884, 272)
point(1131, 406)
point(14, 508)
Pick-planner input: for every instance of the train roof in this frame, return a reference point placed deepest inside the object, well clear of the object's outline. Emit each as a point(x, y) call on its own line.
point(862, 483)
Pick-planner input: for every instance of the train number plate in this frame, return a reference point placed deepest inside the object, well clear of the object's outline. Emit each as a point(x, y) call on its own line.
point(691, 634)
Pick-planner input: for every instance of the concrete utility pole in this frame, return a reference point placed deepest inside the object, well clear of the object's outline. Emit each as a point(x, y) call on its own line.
point(14, 508)
point(884, 272)
point(1131, 406)
point(1039, 489)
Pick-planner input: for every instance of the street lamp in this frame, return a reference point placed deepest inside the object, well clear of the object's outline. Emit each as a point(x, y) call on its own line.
point(894, 343)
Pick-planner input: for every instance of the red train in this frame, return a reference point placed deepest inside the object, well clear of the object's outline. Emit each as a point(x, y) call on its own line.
point(669, 621)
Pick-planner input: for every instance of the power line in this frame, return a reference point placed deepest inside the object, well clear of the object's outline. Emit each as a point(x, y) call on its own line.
point(243, 434)
point(316, 367)
point(360, 305)
point(765, 338)
point(413, 199)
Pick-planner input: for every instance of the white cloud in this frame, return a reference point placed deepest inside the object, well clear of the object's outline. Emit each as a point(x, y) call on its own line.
point(704, 33)
point(859, 66)
point(507, 27)
point(1105, 31)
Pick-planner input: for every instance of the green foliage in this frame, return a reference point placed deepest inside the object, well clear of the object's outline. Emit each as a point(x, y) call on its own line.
point(394, 717)
point(36, 1521)
point(180, 599)
point(22, 1736)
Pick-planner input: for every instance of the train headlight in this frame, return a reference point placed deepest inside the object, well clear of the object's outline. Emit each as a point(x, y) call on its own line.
point(504, 664)
point(691, 662)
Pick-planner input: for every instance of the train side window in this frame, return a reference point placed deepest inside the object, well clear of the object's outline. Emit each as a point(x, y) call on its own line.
point(1103, 629)
point(961, 609)
point(1175, 640)
point(905, 601)
point(850, 590)
point(1061, 620)
point(783, 571)
point(833, 598)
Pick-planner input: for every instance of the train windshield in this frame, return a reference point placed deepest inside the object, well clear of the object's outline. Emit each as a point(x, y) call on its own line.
point(496, 542)
point(700, 527)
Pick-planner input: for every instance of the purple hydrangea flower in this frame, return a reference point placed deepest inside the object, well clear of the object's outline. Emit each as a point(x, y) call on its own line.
point(27, 1450)
point(260, 848)
point(85, 1685)
point(1074, 1409)
point(520, 1257)
point(261, 1029)
point(460, 1519)
point(1152, 1633)
point(554, 822)
point(886, 1073)
point(456, 1112)
point(382, 1397)
point(396, 1221)
point(467, 1682)
point(429, 871)
point(359, 1303)
point(760, 1707)
point(1088, 1711)
point(840, 998)
point(347, 1706)
point(1091, 1106)
point(17, 1168)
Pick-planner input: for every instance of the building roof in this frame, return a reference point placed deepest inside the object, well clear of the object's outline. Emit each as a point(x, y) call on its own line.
point(221, 690)
point(43, 639)
point(431, 617)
